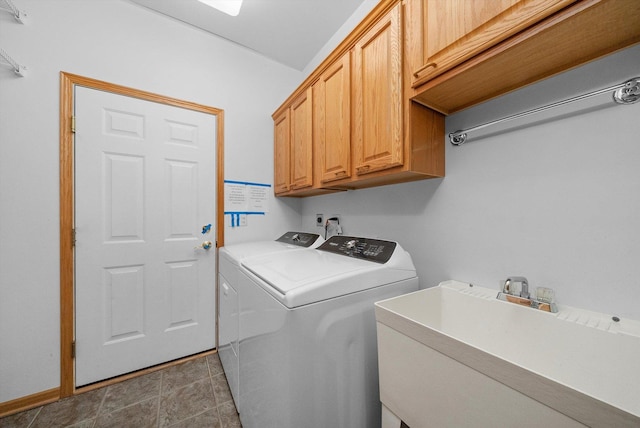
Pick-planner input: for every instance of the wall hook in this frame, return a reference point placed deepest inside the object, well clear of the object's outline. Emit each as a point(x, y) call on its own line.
point(20, 70)
point(8, 6)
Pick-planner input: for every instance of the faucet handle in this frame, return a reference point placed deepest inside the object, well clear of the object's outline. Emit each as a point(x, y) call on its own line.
point(545, 295)
point(524, 286)
point(506, 286)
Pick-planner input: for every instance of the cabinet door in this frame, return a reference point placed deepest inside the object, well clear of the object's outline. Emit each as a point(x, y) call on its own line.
point(332, 121)
point(455, 30)
point(377, 86)
point(301, 141)
point(281, 153)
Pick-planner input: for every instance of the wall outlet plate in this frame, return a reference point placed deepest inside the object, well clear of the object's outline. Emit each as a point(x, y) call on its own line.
point(334, 227)
point(319, 220)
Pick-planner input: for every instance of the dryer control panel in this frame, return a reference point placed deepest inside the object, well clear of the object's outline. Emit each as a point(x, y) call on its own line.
point(374, 250)
point(300, 239)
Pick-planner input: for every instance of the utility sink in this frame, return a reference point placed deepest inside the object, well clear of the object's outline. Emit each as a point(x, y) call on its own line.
point(455, 355)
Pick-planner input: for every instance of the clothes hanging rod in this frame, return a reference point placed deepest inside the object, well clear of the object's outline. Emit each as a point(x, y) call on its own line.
point(20, 70)
point(624, 93)
point(7, 5)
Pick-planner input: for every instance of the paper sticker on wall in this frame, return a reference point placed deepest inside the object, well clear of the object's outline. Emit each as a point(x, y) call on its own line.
point(243, 198)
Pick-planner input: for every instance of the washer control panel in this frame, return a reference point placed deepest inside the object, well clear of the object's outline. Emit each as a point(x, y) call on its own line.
point(374, 250)
point(301, 239)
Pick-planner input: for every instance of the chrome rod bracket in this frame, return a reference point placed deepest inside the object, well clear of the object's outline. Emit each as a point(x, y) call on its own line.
point(458, 138)
point(629, 93)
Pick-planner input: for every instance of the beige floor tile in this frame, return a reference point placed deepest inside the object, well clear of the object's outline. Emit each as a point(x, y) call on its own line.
point(183, 374)
point(89, 423)
point(194, 394)
point(182, 403)
point(215, 366)
point(70, 410)
point(131, 391)
point(228, 415)
point(140, 415)
point(221, 389)
point(208, 419)
point(19, 420)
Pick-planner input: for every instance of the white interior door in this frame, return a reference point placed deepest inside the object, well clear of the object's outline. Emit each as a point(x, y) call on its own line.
point(144, 189)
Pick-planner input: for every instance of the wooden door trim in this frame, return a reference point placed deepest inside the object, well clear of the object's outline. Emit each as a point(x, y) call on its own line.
point(68, 82)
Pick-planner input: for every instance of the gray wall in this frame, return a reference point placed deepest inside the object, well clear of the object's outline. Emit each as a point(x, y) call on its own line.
point(122, 43)
point(556, 201)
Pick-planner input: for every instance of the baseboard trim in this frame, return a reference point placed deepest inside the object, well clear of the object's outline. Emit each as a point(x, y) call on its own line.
point(30, 401)
point(49, 396)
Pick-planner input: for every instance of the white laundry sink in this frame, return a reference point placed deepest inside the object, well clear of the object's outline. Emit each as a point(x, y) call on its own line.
point(454, 355)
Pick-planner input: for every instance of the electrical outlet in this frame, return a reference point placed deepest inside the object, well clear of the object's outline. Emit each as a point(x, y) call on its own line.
point(319, 220)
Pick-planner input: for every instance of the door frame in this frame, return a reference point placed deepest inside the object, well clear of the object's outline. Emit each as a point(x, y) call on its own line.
point(68, 82)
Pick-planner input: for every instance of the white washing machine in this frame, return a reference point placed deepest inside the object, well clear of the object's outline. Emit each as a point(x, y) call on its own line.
point(228, 320)
point(308, 355)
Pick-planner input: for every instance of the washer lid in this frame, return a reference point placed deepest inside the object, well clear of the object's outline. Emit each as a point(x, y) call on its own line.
point(287, 242)
point(302, 277)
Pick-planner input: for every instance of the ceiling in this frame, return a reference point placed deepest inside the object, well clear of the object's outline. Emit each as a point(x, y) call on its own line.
point(291, 32)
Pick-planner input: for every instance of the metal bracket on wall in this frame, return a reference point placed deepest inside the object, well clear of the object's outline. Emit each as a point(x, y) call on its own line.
point(20, 16)
point(629, 93)
point(8, 6)
point(625, 93)
point(18, 69)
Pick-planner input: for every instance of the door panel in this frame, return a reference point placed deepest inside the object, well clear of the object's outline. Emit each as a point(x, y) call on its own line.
point(301, 161)
point(377, 86)
point(333, 121)
point(144, 188)
point(124, 288)
point(281, 147)
point(123, 197)
point(453, 31)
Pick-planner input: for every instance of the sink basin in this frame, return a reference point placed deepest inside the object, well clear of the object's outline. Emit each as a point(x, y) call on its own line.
point(574, 364)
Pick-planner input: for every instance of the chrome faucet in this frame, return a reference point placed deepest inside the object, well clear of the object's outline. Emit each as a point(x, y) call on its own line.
point(544, 299)
point(524, 291)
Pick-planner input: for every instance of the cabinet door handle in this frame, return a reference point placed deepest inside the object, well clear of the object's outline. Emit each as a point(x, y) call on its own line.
point(423, 68)
point(363, 168)
point(341, 173)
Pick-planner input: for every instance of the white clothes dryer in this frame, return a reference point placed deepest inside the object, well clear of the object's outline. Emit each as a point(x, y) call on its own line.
point(228, 267)
point(308, 352)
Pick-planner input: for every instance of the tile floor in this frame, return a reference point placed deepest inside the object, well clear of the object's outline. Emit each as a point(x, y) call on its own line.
point(194, 394)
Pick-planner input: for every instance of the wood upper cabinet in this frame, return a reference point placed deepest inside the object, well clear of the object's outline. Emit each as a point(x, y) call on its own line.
point(449, 32)
point(282, 180)
point(332, 122)
point(365, 131)
point(293, 146)
point(378, 96)
point(559, 35)
point(301, 145)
